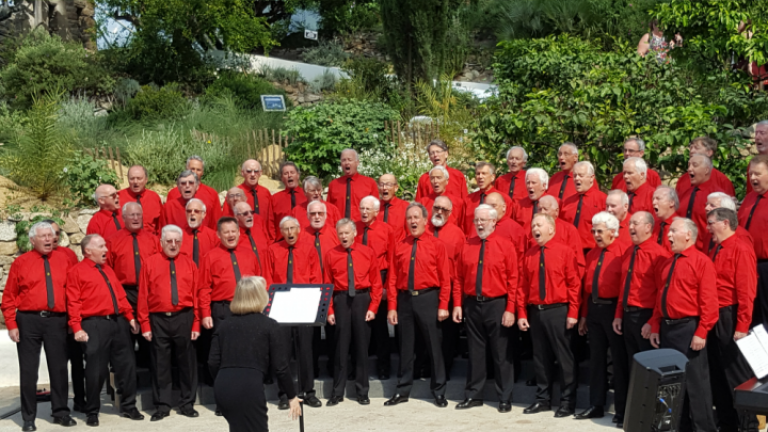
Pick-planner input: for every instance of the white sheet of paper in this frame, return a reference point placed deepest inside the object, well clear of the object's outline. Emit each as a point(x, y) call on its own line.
point(298, 305)
point(751, 346)
point(762, 336)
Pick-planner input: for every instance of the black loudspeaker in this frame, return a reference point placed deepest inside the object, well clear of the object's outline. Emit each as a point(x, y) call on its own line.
point(656, 391)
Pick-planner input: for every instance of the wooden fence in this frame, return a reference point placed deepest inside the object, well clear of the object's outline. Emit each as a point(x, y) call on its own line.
point(265, 145)
point(418, 134)
point(109, 154)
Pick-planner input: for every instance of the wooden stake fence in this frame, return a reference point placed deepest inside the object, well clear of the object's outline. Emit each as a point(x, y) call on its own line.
point(109, 154)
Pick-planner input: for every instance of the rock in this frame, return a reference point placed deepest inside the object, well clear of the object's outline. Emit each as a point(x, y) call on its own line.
point(89, 211)
point(312, 97)
point(290, 89)
point(7, 231)
point(64, 240)
point(6, 261)
point(70, 225)
point(300, 99)
point(76, 238)
point(8, 248)
point(77, 251)
point(222, 197)
point(82, 222)
point(43, 214)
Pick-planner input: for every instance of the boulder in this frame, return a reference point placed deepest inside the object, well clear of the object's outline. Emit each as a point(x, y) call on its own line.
point(76, 238)
point(77, 252)
point(70, 225)
point(64, 240)
point(8, 248)
point(6, 261)
point(82, 222)
point(7, 231)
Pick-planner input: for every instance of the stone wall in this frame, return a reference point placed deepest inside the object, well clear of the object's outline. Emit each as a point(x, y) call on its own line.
point(72, 20)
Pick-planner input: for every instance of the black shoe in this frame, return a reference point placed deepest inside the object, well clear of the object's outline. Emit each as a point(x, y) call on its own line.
point(78, 407)
point(363, 400)
point(591, 412)
point(133, 414)
point(312, 401)
point(564, 411)
point(441, 402)
point(334, 400)
point(383, 374)
point(159, 416)
point(537, 407)
point(29, 426)
point(92, 421)
point(189, 412)
point(469, 403)
point(505, 406)
point(283, 405)
point(218, 413)
point(396, 399)
point(531, 382)
point(66, 420)
point(617, 418)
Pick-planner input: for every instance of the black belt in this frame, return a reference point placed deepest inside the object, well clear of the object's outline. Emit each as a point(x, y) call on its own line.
point(605, 301)
point(223, 302)
point(677, 321)
point(357, 291)
point(44, 314)
point(548, 306)
point(170, 314)
point(416, 293)
point(105, 317)
point(635, 308)
point(131, 287)
point(483, 299)
point(762, 261)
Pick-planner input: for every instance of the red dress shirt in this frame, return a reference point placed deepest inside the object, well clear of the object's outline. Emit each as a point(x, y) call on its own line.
point(664, 236)
point(175, 213)
point(457, 212)
point(431, 269)
point(592, 204)
point(473, 200)
point(208, 196)
point(692, 291)
point(381, 239)
point(360, 188)
point(611, 274)
point(155, 288)
point(454, 239)
point(300, 213)
point(758, 226)
point(151, 207)
point(563, 278)
point(217, 276)
point(512, 231)
point(69, 253)
point(722, 182)
point(652, 178)
point(262, 246)
point(523, 213)
point(206, 241)
point(736, 267)
point(566, 234)
point(395, 215)
point(103, 223)
point(88, 294)
point(120, 253)
point(326, 241)
point(365, 266)
point(265, 206)
point(556, 182)
point(457, 184)
point(306, 267)
point(642, 286)
point(26, 290)
point(642, 200)
point(504, 182)
point(741, 234)
point(281, 207)
point(500, 270)
point(698, 214)
point(624, 235)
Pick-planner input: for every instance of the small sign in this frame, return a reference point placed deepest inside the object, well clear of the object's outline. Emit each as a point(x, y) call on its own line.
point(273, 102)
point(310, 34)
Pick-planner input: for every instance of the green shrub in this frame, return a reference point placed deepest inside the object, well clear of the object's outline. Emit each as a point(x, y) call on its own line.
point(327, 53)
point(407, 164)
point(321, 132)
point(246, 89)
point(43, 65)
point(281, 74)
point(153, 103)
point(77, 116)
point(326, 81)
point(125, 89)
point(82, 175)
point(22, 231)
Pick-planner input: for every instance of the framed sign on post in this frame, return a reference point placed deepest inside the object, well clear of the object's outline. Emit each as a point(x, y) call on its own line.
point(299, 304)
point(273, 102)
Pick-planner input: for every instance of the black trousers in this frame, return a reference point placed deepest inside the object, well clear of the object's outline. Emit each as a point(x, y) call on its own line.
point(109, 342)
point(77, 365)
point(697, 407)
point(760, 313)
point(172, 337)
point(140, 345)
point(552, 341)
point(36, 332)
point(350, 324)
point(728, 369)
point(380, 345)
point(303, 337)
point(601, 339)
point(419, 314)
point(631, 327)
point(239, 394)
point(484, 329)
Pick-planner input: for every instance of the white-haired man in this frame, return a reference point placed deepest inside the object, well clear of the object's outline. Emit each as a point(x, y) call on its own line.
point(106, 221)
point(665, 206)
point(639, 191)
point(204, 192)
point(438, 154)
point(635, 147)
point(439, 181)
point(198, 239)
point(536, 184)
point(722, 200)
point(252, 236)
point(188, 186)
point(137, 192)
point(588, 201)
point(694, 201)
point(617, 204)
point(513, 182)
point(346, 191)
point(313, 189)
point(561, 184)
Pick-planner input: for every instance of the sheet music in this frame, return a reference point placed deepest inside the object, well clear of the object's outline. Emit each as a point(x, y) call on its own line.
point(298, 305)
point(754, 347)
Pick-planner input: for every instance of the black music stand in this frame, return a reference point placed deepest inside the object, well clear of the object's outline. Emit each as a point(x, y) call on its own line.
point(294, 305)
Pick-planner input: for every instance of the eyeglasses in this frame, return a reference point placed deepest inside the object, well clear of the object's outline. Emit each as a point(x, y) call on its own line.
point(246, 213)
point(172, 241)
point(233, 196)
point(112, 195)
point(365, 209)
point(481, 221)
point(132, 215)
point(194, 211)
point(440, 209)
point(252, 171)
point(386, 184)
point(187, 183)
point(312, 214)
point(631, 151)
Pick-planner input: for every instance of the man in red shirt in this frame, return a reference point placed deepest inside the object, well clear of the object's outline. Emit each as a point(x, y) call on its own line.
point(694, 200)
point(665, 206)
point(602, 282)
point(102, 320)
point(536, 183)
point(506, 227)
point(70, 254)
point(565, 233)
point(579, 209)
point(735, 263)
point(635, 147)
point(234, 195)
point(346, 191)
point(617, 204)
point(721, 200)
point(198, 239)
point(284, 201)
point(561, 184)
point(418, 294)
point(487, 286)
point(438, 178)
point(761, 143)
point(393, 212)
point(485, 175)
point(149, 200)
point(707, 147)
point(313, 189)
point(187, 187)
point(34, 308)
point(292, 261)
point(353, 271)
point(168, 315)
point(685, 312)
point(205, 193)
point(438, 154)
point(513, 182)
point(106, 221)
point(754, 218)
point(639, 191)
point(548, 304)
point(252, 236)
point(257, 196)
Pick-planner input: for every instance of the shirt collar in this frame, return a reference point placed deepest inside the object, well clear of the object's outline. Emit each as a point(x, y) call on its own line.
point(130, 192)
point(689, 251)
point(612, 248)
point(89, 262)
point(730, 241)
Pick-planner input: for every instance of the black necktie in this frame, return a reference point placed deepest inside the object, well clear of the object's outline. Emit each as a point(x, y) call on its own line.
point(195, 248)
point(136, 257)
point(690, 203)
point(350, 274)
point(542, 276)
point(412, 266)
point(365, 236)
point(174, 286)
point(711, 245)
point(235, 267)
point(752, 212)
point(562, 186)
point(111, 291)
point(717, 250)
point(482, 197)
point(253, 246)
point(386, 212)
point(117, 222)
point(479, 277)
point(138, 199)
point(289, 270)
point(631, 197)
point(535, 209)
point(596, 277)
point(664, 311)
point(319, 250)
point(512, 186)
point(578, 211)
point(256, 201)
point(661, 232)
point(628, 279)
point(48, 282)
point(293, 198)
point(348, 199)
point(436, 232)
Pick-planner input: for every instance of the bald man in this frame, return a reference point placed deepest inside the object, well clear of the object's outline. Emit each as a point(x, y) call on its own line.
point(707, 147)
point(392, 208)
point(693, 201)
point(617, 204)
point(204, 192)
point(346, 191)
point(253, 238)
point(106, 221)
point(565, 233)
point(580, 208)
point(506, 227)
point(150, 201)
point(257, 196)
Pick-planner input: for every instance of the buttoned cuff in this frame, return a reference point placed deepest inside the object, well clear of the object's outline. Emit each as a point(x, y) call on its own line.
point(522, 313)
point(196, 326)
point(701, 332)
point(76, 327)
point(510, 307)
point(742, 327)
point(145, 327)
point(443, 305)
point(128, 316)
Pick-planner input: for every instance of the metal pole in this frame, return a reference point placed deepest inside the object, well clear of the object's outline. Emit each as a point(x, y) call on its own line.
point(296, 346)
